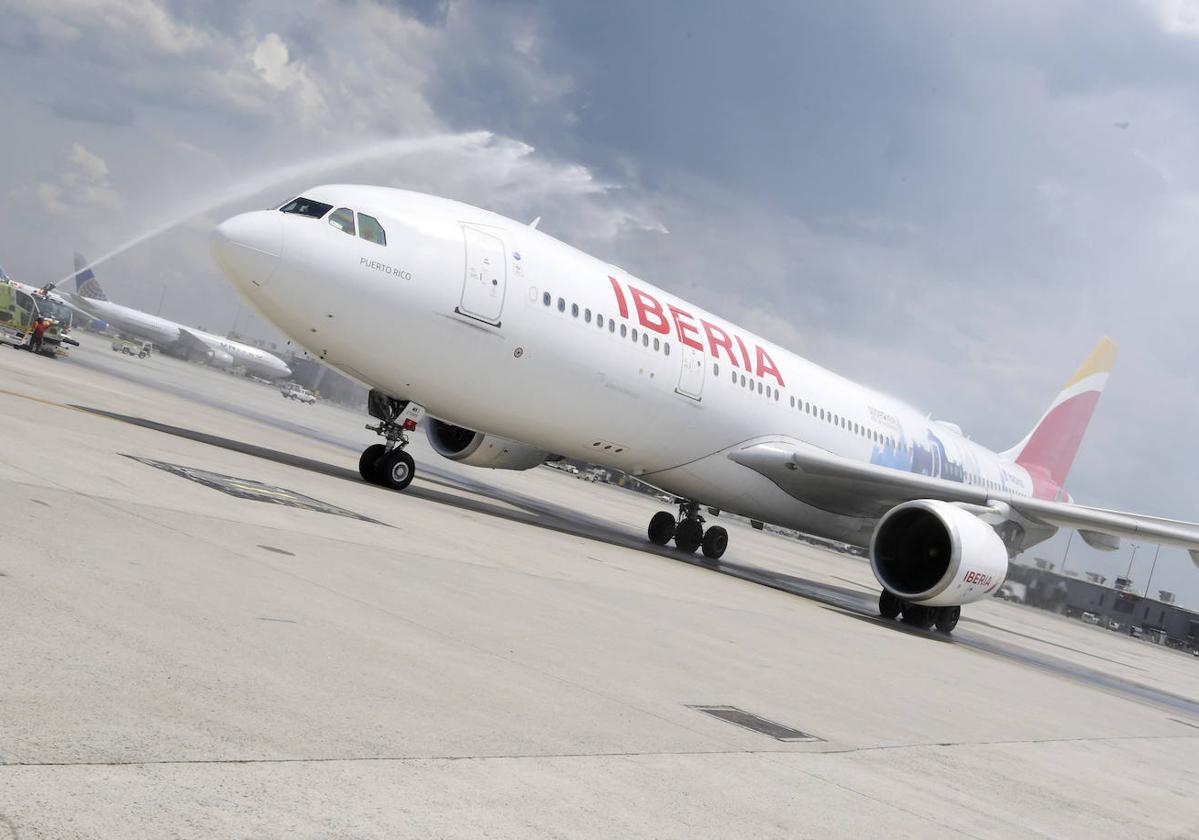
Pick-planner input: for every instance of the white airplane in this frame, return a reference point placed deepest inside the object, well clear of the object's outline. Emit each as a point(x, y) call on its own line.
point(169, 335)
point(519, 346)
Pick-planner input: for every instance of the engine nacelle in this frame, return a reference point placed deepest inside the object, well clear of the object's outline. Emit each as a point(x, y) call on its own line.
point(481, 450)
point(936, 554)
point(220, 359)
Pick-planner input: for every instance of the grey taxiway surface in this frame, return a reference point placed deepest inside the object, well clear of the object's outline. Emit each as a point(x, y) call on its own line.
point(210, 627)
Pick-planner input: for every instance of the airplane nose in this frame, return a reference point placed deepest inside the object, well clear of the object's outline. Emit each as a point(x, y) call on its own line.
point(247, 247)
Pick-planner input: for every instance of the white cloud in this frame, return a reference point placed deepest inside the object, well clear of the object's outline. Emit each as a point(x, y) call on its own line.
point(273, 62)
point(82, 187)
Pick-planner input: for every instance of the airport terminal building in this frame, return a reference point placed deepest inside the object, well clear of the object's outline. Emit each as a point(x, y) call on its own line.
point(1159, 617)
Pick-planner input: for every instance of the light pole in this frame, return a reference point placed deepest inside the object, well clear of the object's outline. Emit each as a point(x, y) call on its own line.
point(1066, 554)
point(1152, 569)
point(1128, 574)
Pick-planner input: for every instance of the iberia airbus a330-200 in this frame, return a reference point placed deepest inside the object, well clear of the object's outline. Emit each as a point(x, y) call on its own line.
point(519, 347)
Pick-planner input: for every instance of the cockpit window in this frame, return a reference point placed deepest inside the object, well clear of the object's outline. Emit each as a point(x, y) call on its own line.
point(343, 219)
point(370, 229)
point(306, 207)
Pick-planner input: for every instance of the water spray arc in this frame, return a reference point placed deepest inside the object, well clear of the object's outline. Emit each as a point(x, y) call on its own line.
point(339, 160)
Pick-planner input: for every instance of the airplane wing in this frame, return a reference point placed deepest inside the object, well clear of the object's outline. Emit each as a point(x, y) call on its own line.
point(840, 485)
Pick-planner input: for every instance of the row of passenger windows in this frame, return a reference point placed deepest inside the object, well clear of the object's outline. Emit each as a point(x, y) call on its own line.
point(771, 392)
point(749, 382)
point(767, 391)
point(637, 335)
point(342, 218)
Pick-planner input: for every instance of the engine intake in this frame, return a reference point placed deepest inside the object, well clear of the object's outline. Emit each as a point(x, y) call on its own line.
point(936, 554)
point(479, 449)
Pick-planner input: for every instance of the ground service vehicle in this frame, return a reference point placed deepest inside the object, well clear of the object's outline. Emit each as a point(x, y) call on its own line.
point(298, 393)
point(141, 349)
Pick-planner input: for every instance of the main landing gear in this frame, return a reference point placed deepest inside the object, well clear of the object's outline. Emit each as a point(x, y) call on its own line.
point(688, 532)
point(387, 464)
point(918, 615)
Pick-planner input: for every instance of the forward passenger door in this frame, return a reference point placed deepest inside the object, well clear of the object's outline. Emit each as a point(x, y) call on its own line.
point(486, 276)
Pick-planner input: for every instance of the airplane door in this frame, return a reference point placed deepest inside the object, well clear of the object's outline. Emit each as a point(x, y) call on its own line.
point(486, 276)
point(691, 377)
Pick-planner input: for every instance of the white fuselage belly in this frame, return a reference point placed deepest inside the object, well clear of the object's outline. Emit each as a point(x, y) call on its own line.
point(392, 317)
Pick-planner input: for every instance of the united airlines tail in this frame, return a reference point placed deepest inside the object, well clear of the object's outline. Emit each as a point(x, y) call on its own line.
point(85, 280)
point(1048, 451)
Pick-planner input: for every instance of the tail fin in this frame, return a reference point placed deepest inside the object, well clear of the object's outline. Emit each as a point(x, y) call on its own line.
point(85, 280)
point(1048, 451)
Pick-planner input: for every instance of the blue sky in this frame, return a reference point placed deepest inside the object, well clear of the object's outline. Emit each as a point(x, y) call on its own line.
point(950, 202)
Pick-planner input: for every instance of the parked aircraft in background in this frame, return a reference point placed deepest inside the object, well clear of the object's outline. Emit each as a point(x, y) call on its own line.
point(170, 336)
point(519, 346)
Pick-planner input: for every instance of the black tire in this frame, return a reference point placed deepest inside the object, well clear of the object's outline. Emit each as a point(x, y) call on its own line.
point(947, 619)
point(715, 541)
point(369, 460)
point(396, 469)
point(915, 615)
point(688, 535)
point(661, 528)
point(889, 606)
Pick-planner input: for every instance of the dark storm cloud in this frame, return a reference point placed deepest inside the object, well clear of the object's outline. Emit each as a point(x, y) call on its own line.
point(95, 111)
point(428, 11)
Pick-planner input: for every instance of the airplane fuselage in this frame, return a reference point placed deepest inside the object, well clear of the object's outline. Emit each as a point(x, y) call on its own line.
point(170, 334)
point(495, 326)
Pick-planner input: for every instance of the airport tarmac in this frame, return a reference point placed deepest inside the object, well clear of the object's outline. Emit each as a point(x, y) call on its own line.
point(210, 626)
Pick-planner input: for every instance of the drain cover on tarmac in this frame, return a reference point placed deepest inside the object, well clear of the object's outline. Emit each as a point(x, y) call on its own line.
point(754, 723)
point(245, 488)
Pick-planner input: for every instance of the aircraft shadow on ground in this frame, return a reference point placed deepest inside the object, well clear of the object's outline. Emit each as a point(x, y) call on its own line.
point(530, 512)
point(841, 599)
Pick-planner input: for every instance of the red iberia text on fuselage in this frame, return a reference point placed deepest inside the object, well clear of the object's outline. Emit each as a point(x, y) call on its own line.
point(692, 331)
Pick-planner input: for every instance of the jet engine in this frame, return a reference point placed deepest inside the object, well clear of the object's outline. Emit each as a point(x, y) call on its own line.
point(481, 450)
point(220, 359)
point(935, 554)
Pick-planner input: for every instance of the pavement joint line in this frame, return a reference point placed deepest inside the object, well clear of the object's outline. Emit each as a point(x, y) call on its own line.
point(776, 752)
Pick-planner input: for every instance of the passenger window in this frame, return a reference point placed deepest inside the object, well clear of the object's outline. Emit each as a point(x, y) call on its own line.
point(370, 229)
point(666, 348)
point(587, 316)
point(624, 330)
point(546, 299)
point(611, 326)
point(645, 339)
point(599, 321)
point(634, 335)
point(306, 207)
point(561, 304)
point(574, 310)
point(657, 345)
point(743, 380)
point(715, 369)
point(343, 219)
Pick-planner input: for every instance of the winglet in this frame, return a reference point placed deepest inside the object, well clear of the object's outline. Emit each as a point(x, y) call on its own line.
point(533, 224)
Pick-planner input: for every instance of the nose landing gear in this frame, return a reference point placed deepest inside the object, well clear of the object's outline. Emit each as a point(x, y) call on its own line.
point(387, 464)
point(688, 531)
